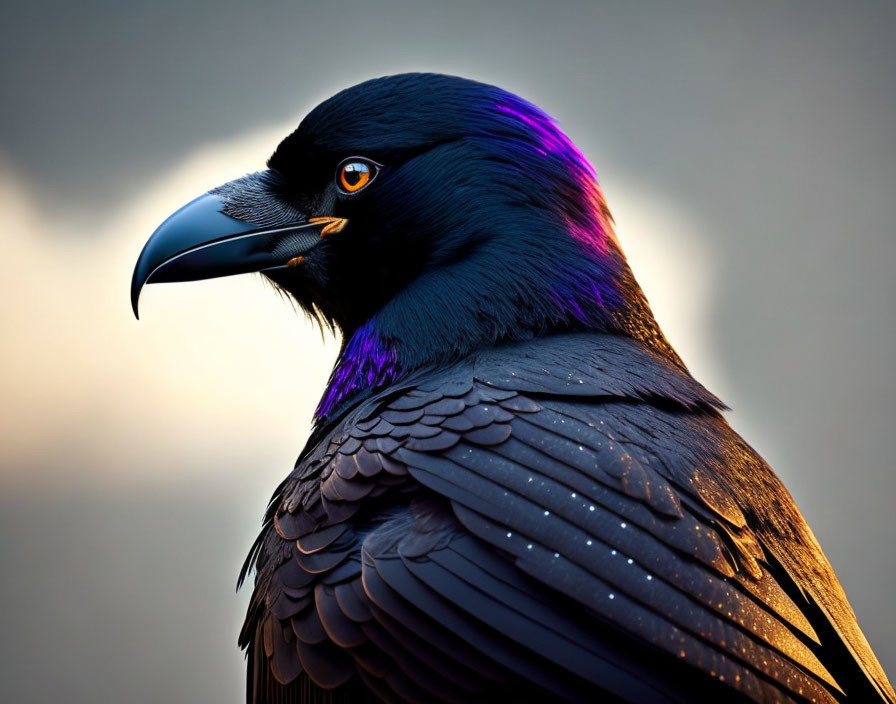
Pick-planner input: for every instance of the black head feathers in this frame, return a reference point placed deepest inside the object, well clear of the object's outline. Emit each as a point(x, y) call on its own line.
point(482, 224)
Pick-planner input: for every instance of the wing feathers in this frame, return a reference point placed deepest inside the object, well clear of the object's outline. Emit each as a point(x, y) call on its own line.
point(553, 520)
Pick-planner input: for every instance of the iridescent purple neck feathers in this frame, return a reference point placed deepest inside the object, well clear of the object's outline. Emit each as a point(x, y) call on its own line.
point(365, 362)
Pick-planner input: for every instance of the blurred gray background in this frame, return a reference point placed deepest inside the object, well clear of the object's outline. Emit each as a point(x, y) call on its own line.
point(747, 150)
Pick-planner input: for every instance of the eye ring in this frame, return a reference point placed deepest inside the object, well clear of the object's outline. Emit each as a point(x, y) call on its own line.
point(355, 173)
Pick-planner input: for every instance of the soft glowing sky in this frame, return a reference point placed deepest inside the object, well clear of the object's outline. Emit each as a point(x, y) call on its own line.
point(746, 152)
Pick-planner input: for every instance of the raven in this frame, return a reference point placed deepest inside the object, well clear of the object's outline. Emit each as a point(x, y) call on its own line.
point(513, 486)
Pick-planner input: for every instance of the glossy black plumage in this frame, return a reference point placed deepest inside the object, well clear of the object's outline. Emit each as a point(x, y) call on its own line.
point(514, 488)
point(553, 515)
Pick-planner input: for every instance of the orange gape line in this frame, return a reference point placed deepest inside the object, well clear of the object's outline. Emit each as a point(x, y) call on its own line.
point(295, 261)
point(333, 225)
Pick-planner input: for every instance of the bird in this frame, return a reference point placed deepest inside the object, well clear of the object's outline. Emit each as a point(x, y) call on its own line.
point(513, 486)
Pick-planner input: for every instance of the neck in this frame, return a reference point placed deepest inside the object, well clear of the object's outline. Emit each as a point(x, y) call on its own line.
point(509, 289)
point(366, 361)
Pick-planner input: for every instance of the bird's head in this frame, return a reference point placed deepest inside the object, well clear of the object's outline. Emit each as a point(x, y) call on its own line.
point(424, 216)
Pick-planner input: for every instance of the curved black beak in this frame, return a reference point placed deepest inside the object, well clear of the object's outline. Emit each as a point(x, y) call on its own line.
point(201, 242)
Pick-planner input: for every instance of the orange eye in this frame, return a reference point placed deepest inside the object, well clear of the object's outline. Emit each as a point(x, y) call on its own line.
point(354, 174)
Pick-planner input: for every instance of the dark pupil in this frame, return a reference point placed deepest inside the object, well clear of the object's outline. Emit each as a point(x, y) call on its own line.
point(353, 173)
